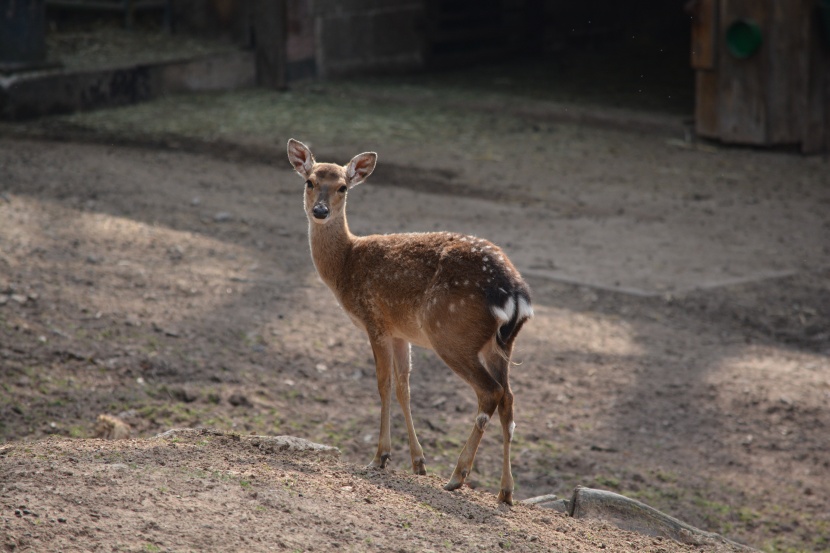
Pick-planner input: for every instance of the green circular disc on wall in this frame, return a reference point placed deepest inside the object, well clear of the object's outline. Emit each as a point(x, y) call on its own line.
point(743, 38)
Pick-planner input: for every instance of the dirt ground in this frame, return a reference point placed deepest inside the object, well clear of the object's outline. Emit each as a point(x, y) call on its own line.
point(680, 352)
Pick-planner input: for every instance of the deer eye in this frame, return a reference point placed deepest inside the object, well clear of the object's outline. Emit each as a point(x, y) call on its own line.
point(309, 185)
point(342, 189)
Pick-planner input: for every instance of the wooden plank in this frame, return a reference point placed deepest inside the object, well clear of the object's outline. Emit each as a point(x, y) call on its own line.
point(742, 94)
point(704, 34)
point(787, 70)
point(706, 104)
point(816, 128)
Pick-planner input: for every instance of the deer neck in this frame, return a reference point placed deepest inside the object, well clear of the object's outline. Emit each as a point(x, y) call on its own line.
point(330, 245)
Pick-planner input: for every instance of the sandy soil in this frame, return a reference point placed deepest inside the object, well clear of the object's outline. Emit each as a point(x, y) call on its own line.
point(679, 352)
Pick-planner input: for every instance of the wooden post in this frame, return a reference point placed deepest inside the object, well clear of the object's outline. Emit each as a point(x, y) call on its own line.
point(816, 126)
point(704, 60)
point(268, 22)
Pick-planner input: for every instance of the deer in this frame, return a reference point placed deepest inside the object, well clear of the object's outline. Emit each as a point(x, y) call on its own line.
point(455, 294)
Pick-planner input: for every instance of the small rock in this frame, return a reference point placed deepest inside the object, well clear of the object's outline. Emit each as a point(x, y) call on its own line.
point(166, 331)
point(239, 400)
point(176, 252)
point(321, 368)
point(222, 217)
point(62, 520)
point(19, 298)
point(184, 394)
point(111, 428)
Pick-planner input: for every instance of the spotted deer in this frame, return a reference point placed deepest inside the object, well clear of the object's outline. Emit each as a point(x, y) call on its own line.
point(457, 295)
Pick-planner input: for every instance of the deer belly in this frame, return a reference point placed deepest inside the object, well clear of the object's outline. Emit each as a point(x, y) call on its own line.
point(391, 322)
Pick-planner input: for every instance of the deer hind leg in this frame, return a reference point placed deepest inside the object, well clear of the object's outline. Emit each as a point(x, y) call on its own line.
point(403, 367)
point(489, 394)
point(499, 364)
point(382, 350)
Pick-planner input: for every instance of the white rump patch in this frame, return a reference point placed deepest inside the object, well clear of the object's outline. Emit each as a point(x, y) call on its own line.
point(504, 314)
point(525, 310)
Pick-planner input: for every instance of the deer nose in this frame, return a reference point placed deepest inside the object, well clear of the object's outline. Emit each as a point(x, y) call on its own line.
point(320, 211)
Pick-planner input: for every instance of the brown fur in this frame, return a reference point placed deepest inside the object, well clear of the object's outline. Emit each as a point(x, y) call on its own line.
point(436, 290)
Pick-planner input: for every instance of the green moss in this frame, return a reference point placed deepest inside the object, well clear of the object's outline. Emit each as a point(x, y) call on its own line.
point(607, 481)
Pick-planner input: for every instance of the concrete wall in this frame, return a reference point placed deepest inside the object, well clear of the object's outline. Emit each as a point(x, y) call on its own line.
point(356, 36)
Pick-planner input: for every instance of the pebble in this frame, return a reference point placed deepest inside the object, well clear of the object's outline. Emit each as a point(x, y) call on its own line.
point(239, 400)
point(222, 217)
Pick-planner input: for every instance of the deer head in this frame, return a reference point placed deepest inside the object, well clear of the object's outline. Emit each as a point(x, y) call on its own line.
point(327, 183)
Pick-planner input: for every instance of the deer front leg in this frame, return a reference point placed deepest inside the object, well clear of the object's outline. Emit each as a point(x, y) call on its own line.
point(383, 367)
point(403, 367)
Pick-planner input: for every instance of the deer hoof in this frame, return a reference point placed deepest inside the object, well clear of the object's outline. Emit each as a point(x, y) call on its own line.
point(380, 462)
point(456, 481)
point(506, 497)
point(452, 485)
point(418, 466)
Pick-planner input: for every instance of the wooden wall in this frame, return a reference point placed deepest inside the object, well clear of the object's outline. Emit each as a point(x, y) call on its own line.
point(778, 96)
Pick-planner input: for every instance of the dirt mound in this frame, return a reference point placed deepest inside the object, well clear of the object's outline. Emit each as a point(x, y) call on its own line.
point(210, 491)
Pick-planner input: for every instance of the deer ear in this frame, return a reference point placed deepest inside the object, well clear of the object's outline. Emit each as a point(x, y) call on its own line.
point(360, 167)
point(300, 157)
